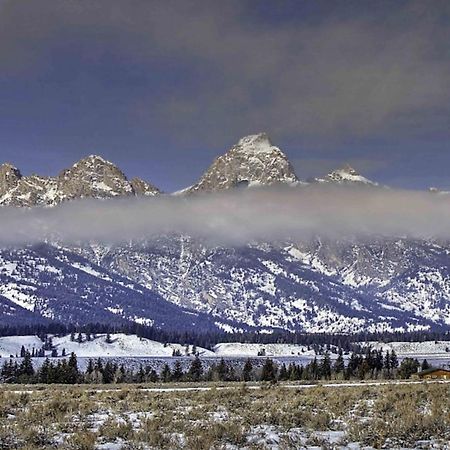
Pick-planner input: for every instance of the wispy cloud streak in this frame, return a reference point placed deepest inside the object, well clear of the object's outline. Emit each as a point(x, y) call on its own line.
point(235, 218)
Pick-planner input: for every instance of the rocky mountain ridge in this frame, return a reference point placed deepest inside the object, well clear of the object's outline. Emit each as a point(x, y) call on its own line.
point(254, 161)
point(91, 177)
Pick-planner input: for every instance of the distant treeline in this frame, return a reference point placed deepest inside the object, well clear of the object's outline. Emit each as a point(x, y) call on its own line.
point(210, 339)
point(372, 364)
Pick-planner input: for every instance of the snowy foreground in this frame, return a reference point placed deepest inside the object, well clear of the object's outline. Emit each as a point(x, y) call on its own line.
point(352, 416)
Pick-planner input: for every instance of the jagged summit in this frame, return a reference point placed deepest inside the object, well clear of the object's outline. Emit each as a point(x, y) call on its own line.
point(94, 162)
point(95, 177)
point(9, 177)
point(8, 166)
point(253, 161)
point(256, 143)
point(90, 177)
point(345, 175)
point(94, 158)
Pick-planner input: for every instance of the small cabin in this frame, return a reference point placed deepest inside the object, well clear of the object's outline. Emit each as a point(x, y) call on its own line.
point(433, 374)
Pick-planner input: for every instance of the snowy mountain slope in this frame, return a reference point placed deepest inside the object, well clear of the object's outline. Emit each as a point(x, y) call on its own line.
point(56, 284)
point(282, 285)
point(13, 314)
point(315, 287)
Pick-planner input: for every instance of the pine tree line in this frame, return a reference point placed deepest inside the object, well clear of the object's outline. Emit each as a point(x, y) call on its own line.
point(373, 364)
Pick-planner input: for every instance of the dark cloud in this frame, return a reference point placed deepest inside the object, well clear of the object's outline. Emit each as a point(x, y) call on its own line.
point(333, 77)
point(198, 74)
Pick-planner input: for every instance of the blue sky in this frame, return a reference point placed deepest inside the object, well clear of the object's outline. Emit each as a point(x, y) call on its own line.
point(161, 88)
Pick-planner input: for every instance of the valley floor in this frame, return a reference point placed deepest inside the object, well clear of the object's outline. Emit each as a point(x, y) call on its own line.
point(232, 416)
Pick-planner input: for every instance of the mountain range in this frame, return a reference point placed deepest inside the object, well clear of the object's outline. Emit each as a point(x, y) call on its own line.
point(184, 283)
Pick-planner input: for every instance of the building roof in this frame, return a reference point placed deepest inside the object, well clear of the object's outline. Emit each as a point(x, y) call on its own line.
point(432, 369)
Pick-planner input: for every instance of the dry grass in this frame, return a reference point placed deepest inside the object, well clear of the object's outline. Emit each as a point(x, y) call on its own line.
point(82, 417)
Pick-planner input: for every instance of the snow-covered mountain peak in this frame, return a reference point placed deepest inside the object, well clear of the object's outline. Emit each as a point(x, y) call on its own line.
point(95, 177)
point(93, 162)
point(344, 175)
point(256, 143)
point(8, 167)
point(253, 161)
point(142, 187)
point(9, 177)
point(92, 177)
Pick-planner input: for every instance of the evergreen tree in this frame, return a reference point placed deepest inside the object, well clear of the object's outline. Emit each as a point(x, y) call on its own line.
point(283, 373)
point(247, 371)
point(387, 363)
point(408, 367)
point(379, 362)
point(394, 360)
point(222, 370)
point(295, 372)
point(44, 375)
point(140, 376)
point(72, 369)
point(425, 365)
point(269, 371)
point(177, 374)
point(195, 371)
point(99, 365)
point(352, 366)
point(9, 372)
point(325, 366)
point(153, 376)
point(26, 369)
point(90, 366)
point(314, 369)
point(108, 373)
point(339, 364)
point(166, 374)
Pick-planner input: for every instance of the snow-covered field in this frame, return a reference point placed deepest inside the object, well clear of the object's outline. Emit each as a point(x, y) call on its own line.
point(133, 347)
point(420, 350)
point(120, 345)
point(238, 349)
point(11, 345)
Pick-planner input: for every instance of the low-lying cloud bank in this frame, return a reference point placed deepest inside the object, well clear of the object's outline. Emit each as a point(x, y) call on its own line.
point(236, 217)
